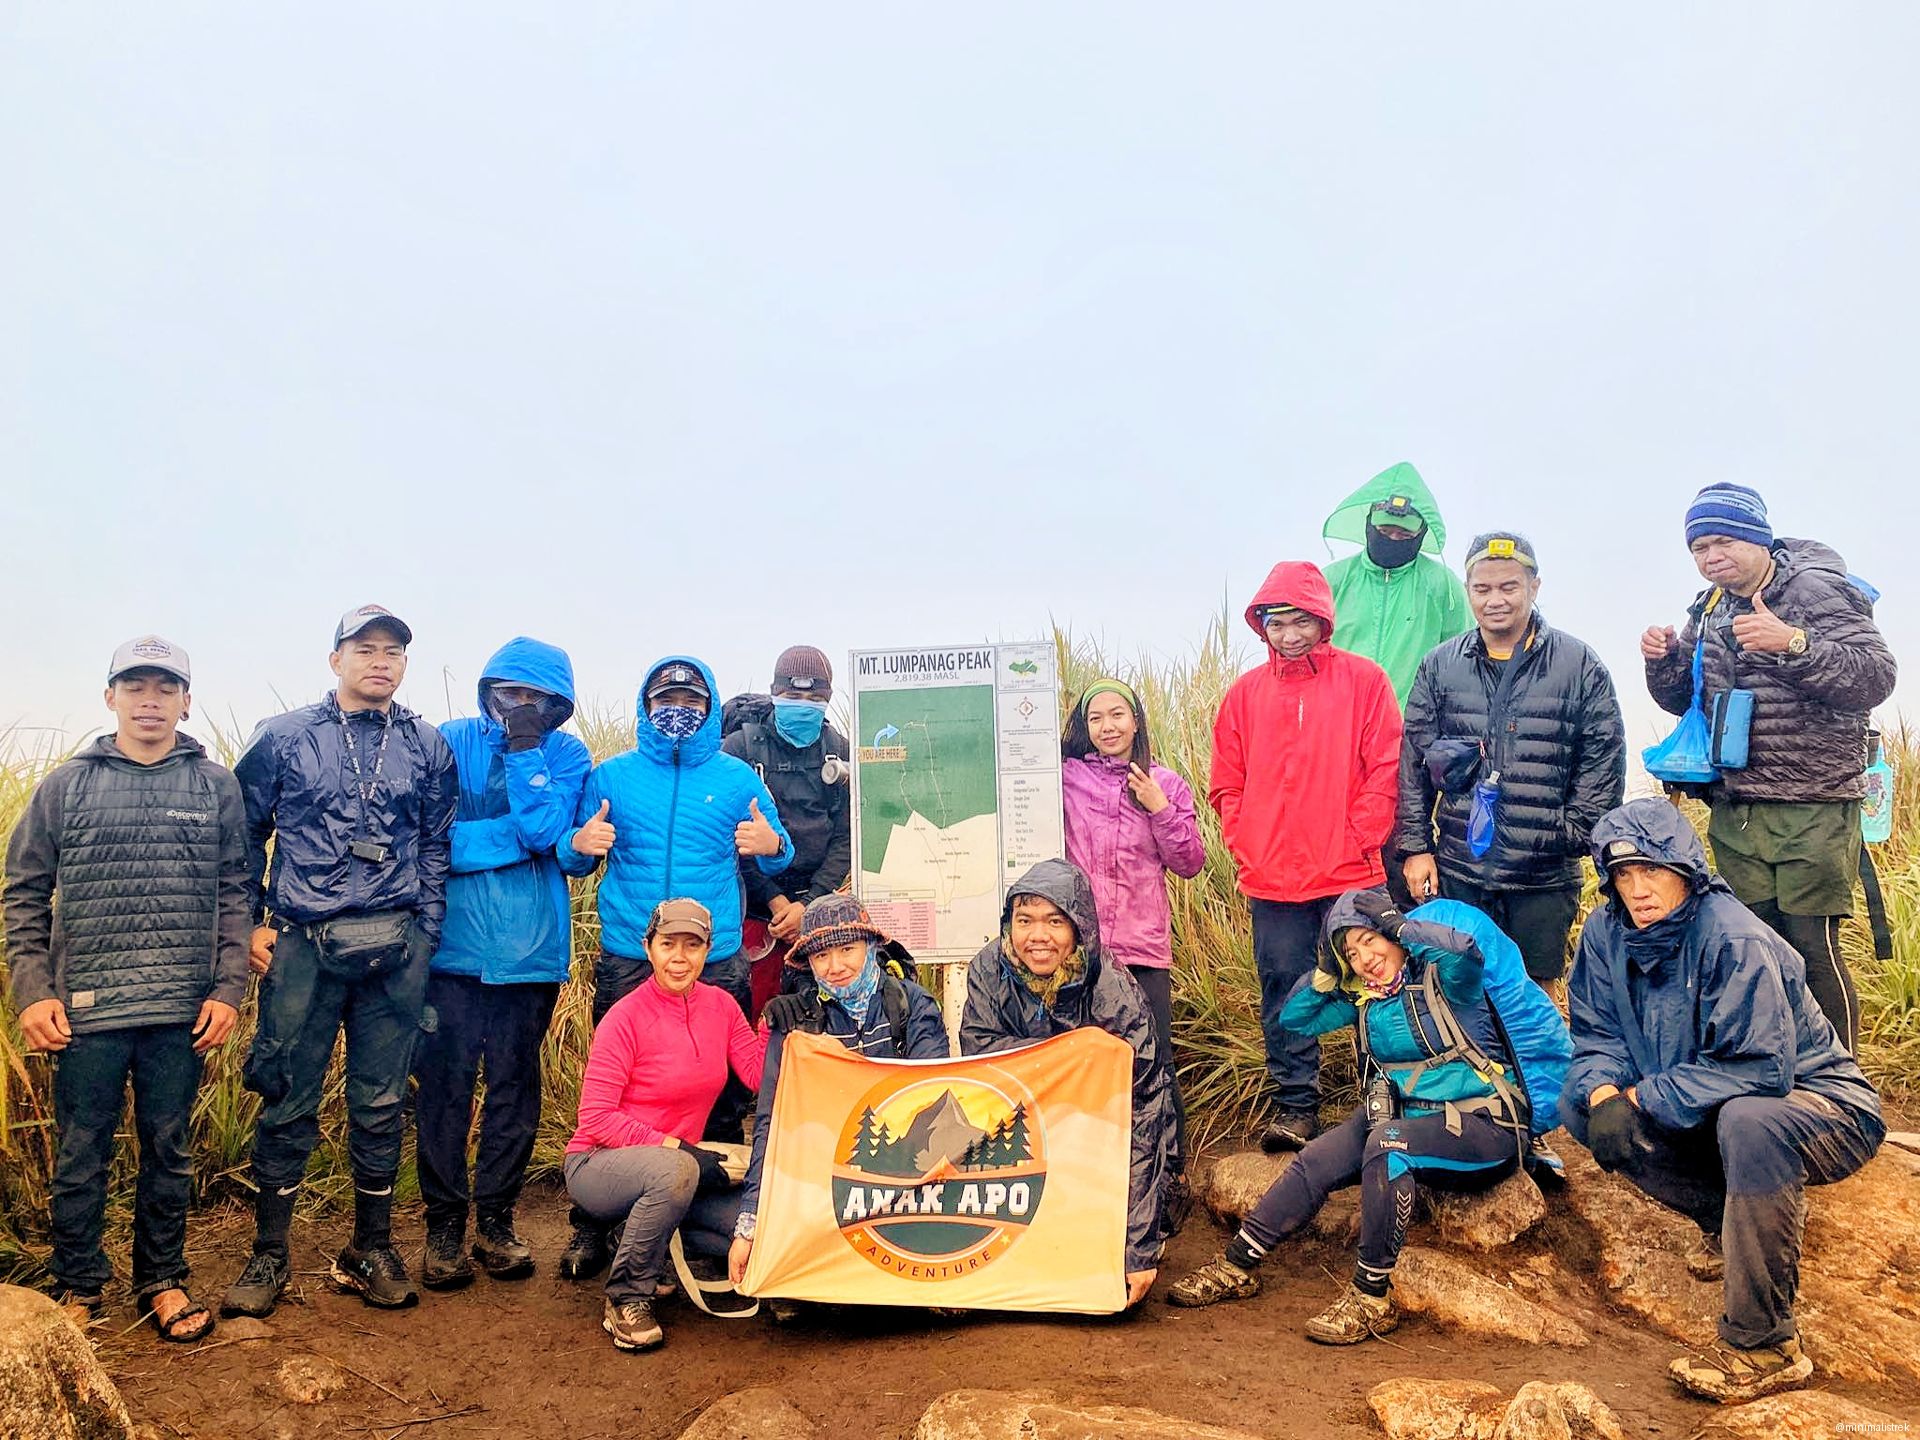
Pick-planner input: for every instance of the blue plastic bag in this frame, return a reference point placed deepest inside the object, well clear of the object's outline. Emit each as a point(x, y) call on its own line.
point(1484, 817)
point(1686, 756)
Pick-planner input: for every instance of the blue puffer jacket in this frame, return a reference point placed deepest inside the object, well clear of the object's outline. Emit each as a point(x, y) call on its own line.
point(298, 781)
point(1696, 1009)
point(674, 805)
point(509, 919)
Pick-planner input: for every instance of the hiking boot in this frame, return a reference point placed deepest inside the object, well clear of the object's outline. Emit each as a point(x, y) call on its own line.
point(445, 1266)
point(1734, 1377)
point(1289, 1130)
point(631, 1324)
point(377, 1275)
point(1549, 1171)
point(1219, 1279)
point(1354, 1317)
point(1705, 1260)
point(501, 1253)
point(586, 1253)
point(258, 1289)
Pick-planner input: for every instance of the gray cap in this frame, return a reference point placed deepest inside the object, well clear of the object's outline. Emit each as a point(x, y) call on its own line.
point(150, 652)
point(362, 616)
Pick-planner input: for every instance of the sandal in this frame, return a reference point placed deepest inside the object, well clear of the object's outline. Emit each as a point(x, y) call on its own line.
point(170, 1329)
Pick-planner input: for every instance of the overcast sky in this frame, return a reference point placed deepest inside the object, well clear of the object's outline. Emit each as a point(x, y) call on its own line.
point(647, 328)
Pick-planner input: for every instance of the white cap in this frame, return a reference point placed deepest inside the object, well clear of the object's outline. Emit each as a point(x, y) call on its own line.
point(150, 652)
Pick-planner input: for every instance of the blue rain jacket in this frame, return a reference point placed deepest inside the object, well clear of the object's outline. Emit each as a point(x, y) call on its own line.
point(509, 918)
point(674, 806)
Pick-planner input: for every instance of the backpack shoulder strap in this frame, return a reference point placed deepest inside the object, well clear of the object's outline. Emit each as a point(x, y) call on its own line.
point(893, 999)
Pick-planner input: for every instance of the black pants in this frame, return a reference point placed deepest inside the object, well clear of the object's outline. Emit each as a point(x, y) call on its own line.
point(89, 1096)
point(498, 1028)
point(1388, 1161)
point(1744, 1178)
point(1537, 921)
point(1157, 983)
point(1817, 938)
point(302, 1011)
point(1285, 933)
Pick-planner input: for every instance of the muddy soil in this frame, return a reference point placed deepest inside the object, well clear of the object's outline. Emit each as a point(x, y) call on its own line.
point(531, 1357)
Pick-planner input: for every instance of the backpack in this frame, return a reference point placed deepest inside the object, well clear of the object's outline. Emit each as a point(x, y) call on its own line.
point(1538, 1047)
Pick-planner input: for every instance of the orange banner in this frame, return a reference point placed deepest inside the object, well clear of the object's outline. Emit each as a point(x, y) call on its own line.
point(997, 1182)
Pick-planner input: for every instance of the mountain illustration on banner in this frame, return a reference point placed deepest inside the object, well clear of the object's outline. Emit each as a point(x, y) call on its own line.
point(940, 1135)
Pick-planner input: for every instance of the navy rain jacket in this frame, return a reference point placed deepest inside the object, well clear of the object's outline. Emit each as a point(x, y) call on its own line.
point(1699, 1008)
point(509, 918)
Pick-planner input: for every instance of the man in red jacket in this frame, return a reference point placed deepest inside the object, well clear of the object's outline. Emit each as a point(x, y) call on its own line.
point(1306, 751)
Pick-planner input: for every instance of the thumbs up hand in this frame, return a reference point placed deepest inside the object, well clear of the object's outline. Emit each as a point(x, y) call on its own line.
point(1763, 631)
point(754, 836)
point(596, 836)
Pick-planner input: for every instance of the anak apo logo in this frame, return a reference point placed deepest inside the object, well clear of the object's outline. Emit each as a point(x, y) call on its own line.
point(938, 1178)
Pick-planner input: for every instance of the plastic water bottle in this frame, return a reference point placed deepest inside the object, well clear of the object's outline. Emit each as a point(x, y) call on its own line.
point(1876, 810)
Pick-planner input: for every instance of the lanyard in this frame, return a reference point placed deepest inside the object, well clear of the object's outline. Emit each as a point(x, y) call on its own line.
point(367, 787)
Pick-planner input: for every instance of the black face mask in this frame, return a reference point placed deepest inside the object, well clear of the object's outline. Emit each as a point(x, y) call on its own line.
point(1391, 554)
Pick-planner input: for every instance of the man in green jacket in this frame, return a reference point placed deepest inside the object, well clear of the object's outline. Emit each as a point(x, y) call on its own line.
point(1396, 599)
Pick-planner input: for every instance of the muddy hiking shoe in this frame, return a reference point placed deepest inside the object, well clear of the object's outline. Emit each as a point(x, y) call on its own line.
point(501, 1253)
point(586, 1254)
point(1734, 1377)
point(1219, 1279)
point(258, 1289)
point(445, 1265)
point(1289, 1130)
point(1354, 1317)
point(1549, 1171)
point(377, 1275)
point(1706, 1261)
point(632, 1325)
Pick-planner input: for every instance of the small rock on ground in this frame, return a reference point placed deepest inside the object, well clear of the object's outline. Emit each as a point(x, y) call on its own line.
point(1442, 1288)
point(307, 1379)
point(1412, 1409)
point(52, 1386)
point(761, 1413)
point(1234, 1184)
point(1032, 1415)
point(1798, 1415)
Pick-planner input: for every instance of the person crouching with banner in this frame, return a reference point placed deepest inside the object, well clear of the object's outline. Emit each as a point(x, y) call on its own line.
point(1429, 1113)
point(658, 1063)
point(860, 996)
point(1046, 975)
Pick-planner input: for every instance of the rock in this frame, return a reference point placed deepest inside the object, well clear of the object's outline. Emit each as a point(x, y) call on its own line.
point(1441, 1287)
point(1409, 1409)
point(761, 1413)
point(308, 1379)
point(1859, 1307)
point(1489, 1219)
point(1031, 1415)
point(1235, 1183)
point(1798, 1415)
point(51, 1385)
point(1908, 1140)
point(245, 1327)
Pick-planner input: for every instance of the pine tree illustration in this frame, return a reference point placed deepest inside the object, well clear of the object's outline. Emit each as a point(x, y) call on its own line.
point(1017, 1151)
point(866, 1140)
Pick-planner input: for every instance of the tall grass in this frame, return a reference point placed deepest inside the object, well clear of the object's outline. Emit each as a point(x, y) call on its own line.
point(1216, 997)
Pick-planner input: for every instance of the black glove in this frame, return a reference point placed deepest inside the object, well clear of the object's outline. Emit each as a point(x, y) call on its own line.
point(713, 1169)
point(1613, 1132)
point(785, 1012)
point(1377, 907)
point(526, 728)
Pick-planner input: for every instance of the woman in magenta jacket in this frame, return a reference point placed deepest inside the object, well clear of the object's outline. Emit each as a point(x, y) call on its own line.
point(1129, 822)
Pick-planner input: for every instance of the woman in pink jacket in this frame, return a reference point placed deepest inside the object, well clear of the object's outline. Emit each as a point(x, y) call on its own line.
point(658, 1062)
point(1129, 822)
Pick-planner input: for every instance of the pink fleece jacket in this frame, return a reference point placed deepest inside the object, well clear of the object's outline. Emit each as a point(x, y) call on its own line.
point(658, 1063)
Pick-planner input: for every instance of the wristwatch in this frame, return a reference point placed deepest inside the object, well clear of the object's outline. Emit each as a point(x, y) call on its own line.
point(1797, 643)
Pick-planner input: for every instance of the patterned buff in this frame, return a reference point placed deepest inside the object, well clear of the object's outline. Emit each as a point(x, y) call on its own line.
point(677, 722)
point(1386, 992)
point(856, 996)
point(1047, 987)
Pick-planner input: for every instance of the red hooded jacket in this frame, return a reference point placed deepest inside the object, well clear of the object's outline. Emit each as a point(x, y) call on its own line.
point(1305, 758)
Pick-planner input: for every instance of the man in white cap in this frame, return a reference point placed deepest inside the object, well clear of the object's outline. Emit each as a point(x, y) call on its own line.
point(358, 794)
point(142, 839)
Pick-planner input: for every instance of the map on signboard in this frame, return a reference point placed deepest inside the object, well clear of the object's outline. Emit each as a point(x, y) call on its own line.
point(956, 770)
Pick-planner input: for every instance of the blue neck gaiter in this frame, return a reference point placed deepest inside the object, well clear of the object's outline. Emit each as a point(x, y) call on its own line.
point(799, 721)
point(677, 722)
point(856, 996)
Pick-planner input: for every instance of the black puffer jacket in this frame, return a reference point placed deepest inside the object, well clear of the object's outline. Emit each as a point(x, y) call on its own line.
point(1002, 1014)
point(149, 867)
point(1561, 757)
point(1808, 739)
point(813, 810)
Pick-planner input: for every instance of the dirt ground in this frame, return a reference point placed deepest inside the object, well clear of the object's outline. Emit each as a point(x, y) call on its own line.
point(531, 1356)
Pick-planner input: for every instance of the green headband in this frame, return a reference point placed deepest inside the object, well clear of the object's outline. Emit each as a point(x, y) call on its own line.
point(1108, 686)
